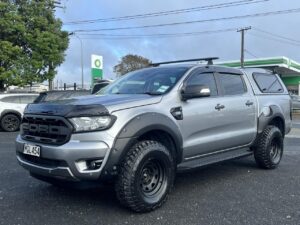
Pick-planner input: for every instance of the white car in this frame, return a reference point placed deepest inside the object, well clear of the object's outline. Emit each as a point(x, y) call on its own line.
point(11, 109)
point(295, 102)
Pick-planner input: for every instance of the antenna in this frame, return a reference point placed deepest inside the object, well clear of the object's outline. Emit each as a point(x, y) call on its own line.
point(209, 61)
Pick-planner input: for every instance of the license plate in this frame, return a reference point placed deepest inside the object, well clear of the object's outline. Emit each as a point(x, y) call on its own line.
point(32, 150)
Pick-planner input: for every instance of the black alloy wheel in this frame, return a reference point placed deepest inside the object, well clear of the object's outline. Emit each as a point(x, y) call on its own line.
point(10, 122)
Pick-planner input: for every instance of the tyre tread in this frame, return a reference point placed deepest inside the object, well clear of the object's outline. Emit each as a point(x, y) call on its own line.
point(261, 153)
point(125, 182)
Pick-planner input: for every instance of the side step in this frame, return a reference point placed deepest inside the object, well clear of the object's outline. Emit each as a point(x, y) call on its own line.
point(213, 158)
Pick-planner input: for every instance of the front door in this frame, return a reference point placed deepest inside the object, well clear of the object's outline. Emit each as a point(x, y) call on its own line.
point(200, 118)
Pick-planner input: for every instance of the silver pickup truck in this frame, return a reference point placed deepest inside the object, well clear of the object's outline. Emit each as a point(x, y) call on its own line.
point(153, 122)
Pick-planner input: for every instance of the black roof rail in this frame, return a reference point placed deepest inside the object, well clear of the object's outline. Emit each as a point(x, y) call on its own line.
point(208, 59)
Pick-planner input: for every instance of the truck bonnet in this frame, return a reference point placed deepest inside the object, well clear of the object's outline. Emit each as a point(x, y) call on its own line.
point(91, 105)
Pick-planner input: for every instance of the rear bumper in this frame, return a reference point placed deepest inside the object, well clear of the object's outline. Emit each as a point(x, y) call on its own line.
point(66, 161)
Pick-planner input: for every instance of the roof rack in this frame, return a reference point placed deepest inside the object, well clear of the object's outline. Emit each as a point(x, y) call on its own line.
point(208, 59)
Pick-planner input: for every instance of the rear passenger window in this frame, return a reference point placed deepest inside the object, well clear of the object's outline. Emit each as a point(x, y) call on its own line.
point(267, 83)
point(11, 99)
point(27, 99)
point(232, 84)
point(207, 79)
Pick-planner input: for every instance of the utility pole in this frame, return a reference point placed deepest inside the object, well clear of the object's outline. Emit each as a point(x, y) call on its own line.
point(81, 58)
point(81, 62)
point(242, 31)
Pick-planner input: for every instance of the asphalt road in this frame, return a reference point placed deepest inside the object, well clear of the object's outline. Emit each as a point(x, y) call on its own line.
point(235, 192)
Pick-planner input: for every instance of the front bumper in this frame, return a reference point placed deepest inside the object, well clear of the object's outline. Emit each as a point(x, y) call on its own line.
point(64, 162)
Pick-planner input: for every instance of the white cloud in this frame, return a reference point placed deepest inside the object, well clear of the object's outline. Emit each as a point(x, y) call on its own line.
point(224, 45)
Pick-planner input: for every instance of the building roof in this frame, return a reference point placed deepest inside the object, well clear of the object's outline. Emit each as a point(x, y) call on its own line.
point(281, 65)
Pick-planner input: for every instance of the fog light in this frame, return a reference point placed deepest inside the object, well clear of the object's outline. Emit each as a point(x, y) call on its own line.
point(87, 165)
point(81, 165)
point(94, 164)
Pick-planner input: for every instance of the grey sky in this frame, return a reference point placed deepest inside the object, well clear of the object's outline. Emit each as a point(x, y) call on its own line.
point(224, 45)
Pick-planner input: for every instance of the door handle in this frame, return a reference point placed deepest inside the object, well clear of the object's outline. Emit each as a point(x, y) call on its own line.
point(249, 103)
point(219, 107)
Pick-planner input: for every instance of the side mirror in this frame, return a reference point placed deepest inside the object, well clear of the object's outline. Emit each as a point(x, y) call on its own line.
point(194, 91)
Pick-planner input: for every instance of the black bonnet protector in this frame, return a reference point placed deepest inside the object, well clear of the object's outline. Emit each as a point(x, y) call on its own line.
point(66, 110)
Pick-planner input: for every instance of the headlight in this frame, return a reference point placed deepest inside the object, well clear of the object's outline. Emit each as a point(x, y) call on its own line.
point(82, 124)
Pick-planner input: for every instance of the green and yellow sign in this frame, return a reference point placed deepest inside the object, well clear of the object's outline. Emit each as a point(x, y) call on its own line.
point(97, 68)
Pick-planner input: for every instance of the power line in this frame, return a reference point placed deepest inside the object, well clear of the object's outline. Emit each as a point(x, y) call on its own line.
point(159, 35)
point(288, 11)
point(250, 53)
point(277, 35)
point(57, 4)
point(170, 12)
point(274, 39)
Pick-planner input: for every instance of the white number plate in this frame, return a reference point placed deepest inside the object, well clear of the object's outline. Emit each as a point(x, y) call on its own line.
point(32, 150)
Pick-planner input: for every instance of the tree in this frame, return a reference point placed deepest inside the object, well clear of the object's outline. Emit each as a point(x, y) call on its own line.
point(130, 63)
point(32, 44)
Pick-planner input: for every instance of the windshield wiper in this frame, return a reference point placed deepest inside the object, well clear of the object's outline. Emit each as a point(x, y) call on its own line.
point(152, 93)
point(146, 93)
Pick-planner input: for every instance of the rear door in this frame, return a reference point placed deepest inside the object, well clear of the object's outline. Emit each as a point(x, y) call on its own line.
point(24, 101)
point(239, 112)
point(11, 102)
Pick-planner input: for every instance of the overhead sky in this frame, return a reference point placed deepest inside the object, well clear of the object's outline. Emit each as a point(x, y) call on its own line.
point(225, 45)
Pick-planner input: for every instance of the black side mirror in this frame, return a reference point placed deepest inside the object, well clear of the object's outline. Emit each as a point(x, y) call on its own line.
point(194, 91)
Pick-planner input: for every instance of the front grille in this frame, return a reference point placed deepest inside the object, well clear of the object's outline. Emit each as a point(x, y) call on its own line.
point(50, 130)
point(42, 161)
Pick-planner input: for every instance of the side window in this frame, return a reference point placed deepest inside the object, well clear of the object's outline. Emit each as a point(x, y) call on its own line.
point(267, 83)
point(232, 84)
point(11, 99)
point(27, 99)
point(207, 79)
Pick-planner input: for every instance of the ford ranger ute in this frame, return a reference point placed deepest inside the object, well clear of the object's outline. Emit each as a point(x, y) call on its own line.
point(147, 125)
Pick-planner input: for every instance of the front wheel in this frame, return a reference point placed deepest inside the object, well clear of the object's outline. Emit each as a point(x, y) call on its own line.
point(146, 176)
point(269, 149)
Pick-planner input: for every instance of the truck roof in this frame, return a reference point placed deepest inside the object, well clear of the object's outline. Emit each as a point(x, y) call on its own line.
point(196, 65)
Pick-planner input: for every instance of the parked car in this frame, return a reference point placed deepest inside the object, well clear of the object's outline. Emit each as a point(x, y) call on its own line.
point(11, 109)
point(153, 122)
point(99, 85)
point(49, 96)
point(295, 102)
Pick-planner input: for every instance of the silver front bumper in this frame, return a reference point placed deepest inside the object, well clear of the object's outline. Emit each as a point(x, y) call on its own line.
point(72, 154)
point(57, 172)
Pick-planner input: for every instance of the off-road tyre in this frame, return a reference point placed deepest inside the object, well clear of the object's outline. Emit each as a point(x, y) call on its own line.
point(10, 122)
point(146, 176)
point(269, 148)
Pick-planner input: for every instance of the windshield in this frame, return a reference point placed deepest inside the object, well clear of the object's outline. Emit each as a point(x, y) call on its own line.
point(152, 81)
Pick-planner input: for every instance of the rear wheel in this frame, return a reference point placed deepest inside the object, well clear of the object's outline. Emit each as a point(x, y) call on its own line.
point(269, 149)
point(10, 122)
point(146, 176)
